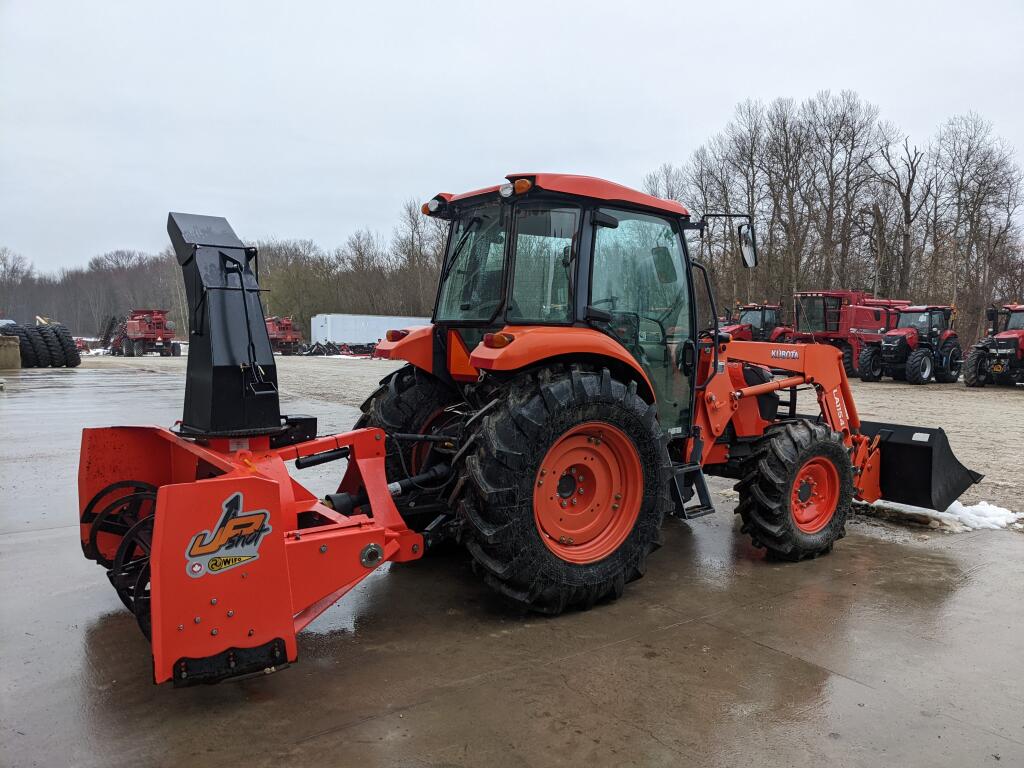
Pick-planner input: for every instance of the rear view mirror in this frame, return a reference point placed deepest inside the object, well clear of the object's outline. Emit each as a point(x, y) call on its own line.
point(663, 264)
point(990, 314)
point(748, 245)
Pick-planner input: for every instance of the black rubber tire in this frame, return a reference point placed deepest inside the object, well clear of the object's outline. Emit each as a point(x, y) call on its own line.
point(28, 352)
point(408, 402)
point(39, 345)
point(53, 346)
point(952, 352)
point(127, 347)
point(849, 364)
point(72, 357)
point(766, 489)
point(139, 348)
point(511, 441)
point(920, 366)
point(175, 349)
point(976, 368)
point(870, 363)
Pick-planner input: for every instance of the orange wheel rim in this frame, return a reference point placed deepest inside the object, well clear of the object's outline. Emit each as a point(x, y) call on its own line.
point(587, 492)
point(815, 494)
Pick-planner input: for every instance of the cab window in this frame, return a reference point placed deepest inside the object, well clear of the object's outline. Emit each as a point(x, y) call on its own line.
point(544, 265)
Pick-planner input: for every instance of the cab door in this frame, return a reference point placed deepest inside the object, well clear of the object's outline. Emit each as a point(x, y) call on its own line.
point(639, 277)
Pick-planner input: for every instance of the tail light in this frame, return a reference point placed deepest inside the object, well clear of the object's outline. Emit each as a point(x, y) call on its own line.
point(396, 335)
point(498, 340)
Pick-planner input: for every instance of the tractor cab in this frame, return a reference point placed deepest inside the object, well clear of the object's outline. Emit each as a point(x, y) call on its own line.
point(922, 324)
point(549, 267)
point(759, 322)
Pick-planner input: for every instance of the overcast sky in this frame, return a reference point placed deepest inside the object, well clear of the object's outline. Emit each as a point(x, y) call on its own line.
point(314, 119)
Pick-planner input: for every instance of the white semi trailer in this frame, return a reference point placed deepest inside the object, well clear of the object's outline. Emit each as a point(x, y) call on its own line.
point(358, 329)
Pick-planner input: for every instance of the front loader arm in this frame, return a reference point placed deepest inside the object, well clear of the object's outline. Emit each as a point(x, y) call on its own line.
point(720, 399)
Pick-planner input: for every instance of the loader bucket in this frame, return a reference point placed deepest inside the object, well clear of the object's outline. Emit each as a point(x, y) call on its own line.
point(918, 466)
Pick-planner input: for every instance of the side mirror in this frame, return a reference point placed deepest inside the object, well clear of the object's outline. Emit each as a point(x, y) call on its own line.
point(602, 219)
point(748, 245)
point(990, 314)
point(663, 264)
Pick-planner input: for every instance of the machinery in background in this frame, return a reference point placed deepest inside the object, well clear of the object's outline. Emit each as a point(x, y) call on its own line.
point(285, 338)
point(921, 347)
point(141, 332)
point(848, 320)
point(759, 322)
point(999, 357)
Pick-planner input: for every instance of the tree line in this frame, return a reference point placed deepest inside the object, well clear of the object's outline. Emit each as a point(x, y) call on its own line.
point(840, 197)
point(843, 199)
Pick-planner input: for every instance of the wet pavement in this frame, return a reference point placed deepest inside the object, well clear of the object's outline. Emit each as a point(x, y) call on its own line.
point(894, 650)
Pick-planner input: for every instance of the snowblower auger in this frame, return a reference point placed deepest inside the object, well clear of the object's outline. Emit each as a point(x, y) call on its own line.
point(220, 555)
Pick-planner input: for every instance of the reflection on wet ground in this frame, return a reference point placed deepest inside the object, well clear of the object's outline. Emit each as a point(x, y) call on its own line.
point(884, 653)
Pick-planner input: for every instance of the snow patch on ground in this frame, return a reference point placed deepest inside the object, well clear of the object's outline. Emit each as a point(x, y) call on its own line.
point(960, 517)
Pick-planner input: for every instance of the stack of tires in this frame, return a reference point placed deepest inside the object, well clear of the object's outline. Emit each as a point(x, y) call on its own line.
point(44, 346)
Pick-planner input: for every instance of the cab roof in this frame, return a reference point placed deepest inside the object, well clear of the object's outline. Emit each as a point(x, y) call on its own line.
point(1014, 307)
point(922, 308)
point(582, 186)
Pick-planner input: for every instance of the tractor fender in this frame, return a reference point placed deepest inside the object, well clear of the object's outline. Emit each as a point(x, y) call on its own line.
point(533, 345)
point(948, 334)
point(416, 347)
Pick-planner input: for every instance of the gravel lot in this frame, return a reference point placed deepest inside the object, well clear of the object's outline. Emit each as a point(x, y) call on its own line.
point(985, 426)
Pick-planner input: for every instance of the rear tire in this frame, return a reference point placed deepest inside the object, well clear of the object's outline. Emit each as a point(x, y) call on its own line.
point(53, 347)
point(870, 364)
point(559, 426)
point(976, 368)
point(796, 491)
point(127, 348)
point(38, 345)
point(953, 357)
point(72, 357)
point(920, 366)
point(175, 349)
point(139, 348)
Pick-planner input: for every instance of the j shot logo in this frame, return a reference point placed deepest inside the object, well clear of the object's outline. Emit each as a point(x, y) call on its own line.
point(235, 540)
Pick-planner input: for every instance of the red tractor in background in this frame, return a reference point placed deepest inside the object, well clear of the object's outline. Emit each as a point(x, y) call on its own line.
point(141, 332)
point(284, 336)
point(759, 322)
point(999, 357)
point(922, 346)
point(848, 320)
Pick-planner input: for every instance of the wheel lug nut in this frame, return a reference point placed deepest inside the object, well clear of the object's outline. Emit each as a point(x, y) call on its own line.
point(574, 502)
point(581, 490)
point(563, 505)
point(615, 506)
point(618, 497)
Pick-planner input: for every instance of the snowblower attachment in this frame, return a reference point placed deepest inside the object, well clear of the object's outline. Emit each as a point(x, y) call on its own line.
point(918, 467)
point(220, 555)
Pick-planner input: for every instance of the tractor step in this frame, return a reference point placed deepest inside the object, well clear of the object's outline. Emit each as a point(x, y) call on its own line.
point(683, 490)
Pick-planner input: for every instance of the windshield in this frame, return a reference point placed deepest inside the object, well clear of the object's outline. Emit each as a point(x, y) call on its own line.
point(918, 320)
point(810, 313)
point(1016, 322)
point(752, 316)
point(474, 265)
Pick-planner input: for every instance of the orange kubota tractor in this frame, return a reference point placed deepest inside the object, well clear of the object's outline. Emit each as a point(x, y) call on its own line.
point(564, 401)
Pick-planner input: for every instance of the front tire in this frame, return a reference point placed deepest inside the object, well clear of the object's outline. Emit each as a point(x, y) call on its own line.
point(796, 491)
point(920, 366)
point(556, 437)
point(848, 361)
point(870, 364)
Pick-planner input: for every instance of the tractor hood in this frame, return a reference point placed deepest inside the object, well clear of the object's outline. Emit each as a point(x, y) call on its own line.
point(1005, 336)
point(734, 328)
point(896, 334)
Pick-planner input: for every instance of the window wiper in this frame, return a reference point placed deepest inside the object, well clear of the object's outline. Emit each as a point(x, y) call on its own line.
point(457, 251)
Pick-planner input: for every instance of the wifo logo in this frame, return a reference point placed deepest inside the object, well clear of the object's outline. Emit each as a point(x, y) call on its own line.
point(235, 540)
